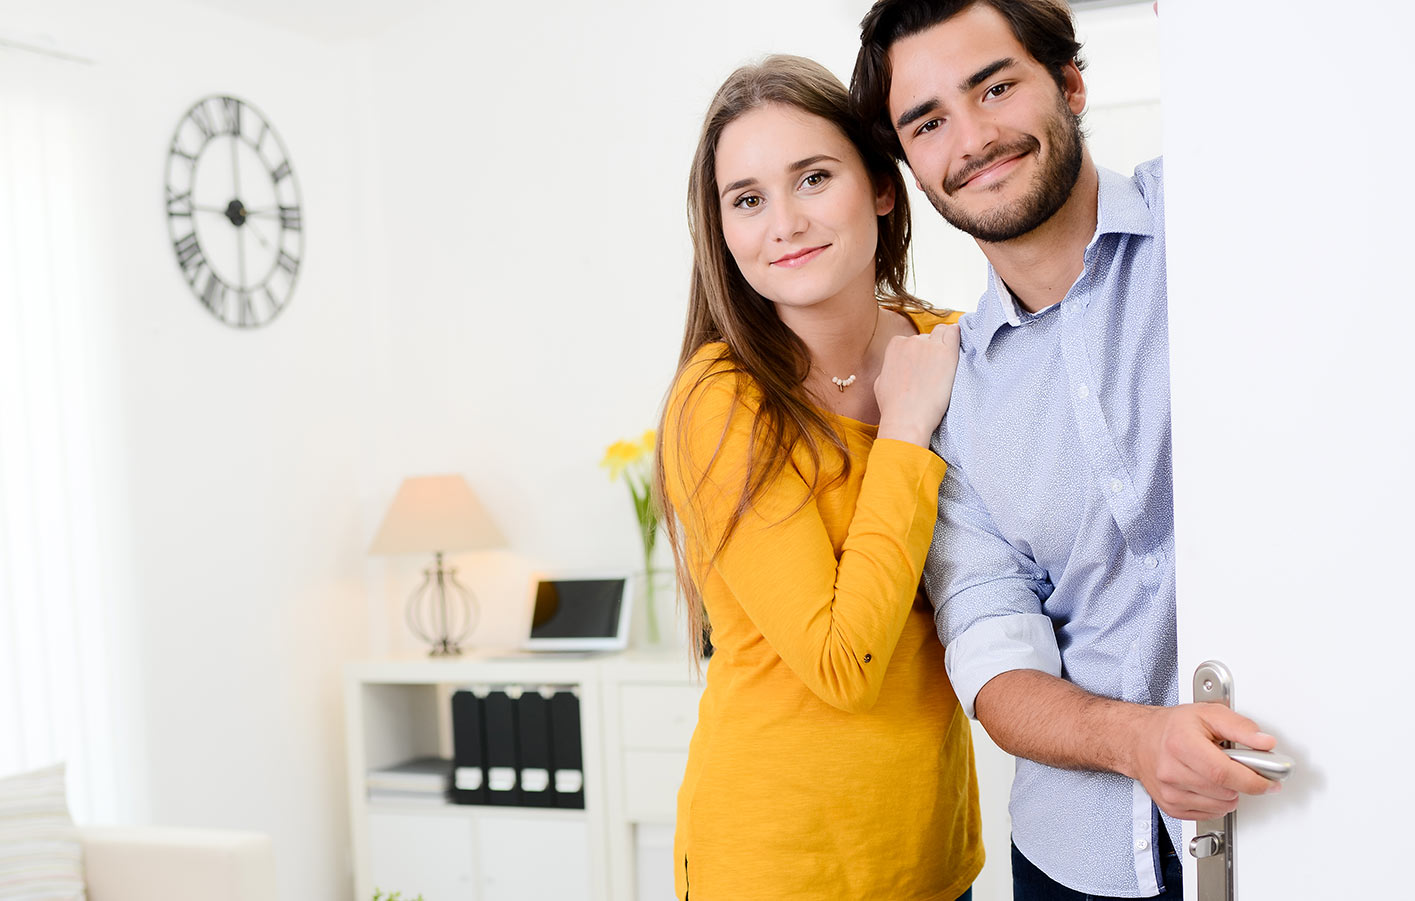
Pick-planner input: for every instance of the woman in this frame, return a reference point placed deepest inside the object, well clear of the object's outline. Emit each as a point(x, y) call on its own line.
point(831, 759)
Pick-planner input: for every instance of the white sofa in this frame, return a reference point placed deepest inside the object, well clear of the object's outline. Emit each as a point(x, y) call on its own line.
point(153, 863)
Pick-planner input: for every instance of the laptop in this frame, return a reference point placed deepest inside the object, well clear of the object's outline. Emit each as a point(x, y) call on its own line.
point(579, 613)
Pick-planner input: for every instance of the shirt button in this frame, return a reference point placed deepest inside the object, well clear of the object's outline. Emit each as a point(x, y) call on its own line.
point(1141, 844)
point(1115, 486)
point(1150, 561)
point(1083, 392)
point(869, 657)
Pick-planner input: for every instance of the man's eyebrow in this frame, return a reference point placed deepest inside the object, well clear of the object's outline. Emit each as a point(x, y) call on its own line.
point(794, 167)
point(917, 111)
point(983, 74)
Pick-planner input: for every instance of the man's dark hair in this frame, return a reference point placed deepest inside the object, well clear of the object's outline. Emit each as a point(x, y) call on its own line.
point(1043, 27)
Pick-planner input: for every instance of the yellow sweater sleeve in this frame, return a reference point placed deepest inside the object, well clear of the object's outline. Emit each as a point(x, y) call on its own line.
point(834, 621)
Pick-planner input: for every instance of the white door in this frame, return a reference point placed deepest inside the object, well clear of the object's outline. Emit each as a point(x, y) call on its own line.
point(1290, 197)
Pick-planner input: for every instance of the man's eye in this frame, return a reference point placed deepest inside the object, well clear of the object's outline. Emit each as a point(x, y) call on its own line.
point(998, 90)
point(929, 126)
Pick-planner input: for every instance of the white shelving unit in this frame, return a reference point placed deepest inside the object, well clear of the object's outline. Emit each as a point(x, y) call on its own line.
point(650, 709)
point(637, 713)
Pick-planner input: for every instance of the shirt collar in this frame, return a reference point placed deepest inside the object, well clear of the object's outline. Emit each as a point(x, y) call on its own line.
point(1120, 209)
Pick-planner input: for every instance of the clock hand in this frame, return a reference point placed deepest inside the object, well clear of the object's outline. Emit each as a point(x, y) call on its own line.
point(235, 212)
point(235, 169)
point(241, 251)
point(258, 236)
point(245, 213)
point(240, 232)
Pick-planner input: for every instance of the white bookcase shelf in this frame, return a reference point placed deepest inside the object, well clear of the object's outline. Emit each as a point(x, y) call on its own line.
point(637, 712)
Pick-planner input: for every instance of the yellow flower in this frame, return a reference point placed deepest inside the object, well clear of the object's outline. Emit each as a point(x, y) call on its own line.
point(633, 461)
point(621, 455)
point(615, 459)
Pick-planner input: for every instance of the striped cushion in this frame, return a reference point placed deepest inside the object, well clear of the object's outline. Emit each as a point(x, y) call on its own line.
point(39, 850)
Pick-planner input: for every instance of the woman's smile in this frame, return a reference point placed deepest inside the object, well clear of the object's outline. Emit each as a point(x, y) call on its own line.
point(799, 258)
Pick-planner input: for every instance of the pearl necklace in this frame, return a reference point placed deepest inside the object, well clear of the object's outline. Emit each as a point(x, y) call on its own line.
point(846, 382)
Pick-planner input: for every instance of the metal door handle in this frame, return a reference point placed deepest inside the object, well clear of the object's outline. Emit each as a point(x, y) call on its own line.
point(1268, 764)
point(1213, 844)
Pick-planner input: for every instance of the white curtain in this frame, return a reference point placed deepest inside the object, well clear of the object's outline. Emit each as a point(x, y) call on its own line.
point(56, 630)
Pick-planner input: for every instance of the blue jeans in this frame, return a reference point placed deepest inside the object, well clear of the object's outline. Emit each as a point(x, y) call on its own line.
point(1031, 884)
point(967, 896)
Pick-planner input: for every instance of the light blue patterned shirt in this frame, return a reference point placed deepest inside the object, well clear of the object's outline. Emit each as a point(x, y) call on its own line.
point(1054, 548)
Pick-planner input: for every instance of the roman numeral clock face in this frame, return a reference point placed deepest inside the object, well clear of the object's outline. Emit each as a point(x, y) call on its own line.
point(233, 211)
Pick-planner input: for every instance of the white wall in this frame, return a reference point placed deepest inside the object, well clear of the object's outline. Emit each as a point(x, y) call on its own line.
point(229, 496)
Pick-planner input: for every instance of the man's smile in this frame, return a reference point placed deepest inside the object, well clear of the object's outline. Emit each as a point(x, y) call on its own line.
point(994, 168)
point(994, 172)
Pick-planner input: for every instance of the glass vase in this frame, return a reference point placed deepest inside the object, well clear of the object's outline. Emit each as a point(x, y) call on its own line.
point(656, 617)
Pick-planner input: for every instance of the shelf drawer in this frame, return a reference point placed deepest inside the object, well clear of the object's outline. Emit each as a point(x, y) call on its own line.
point(423, 854)
point(658, 717)
point(531, 858)
point(651, 780)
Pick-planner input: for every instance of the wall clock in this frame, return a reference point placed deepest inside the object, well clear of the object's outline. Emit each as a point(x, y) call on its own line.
point(233, 211)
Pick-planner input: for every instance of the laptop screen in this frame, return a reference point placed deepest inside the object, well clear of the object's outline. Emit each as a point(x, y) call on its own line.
point(577, 608)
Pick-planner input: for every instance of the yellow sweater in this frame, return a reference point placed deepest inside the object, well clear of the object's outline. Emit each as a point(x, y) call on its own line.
point(831, 759)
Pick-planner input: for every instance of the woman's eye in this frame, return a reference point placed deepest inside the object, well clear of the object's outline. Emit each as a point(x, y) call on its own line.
point(747, 202)
point(815, 179)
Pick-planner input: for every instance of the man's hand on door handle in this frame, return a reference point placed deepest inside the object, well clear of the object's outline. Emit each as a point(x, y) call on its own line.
point(1175, 755)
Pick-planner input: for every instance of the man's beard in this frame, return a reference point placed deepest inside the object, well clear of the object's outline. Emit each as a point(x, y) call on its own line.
point(1050, 187)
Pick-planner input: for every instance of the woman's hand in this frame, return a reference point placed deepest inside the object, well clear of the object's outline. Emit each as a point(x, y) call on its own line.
point(915, 384)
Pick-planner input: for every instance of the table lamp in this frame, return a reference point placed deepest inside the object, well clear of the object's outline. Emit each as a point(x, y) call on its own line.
point(437, 515)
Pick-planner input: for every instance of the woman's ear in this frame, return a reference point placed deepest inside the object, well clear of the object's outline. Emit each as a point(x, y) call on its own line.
point(884, 197)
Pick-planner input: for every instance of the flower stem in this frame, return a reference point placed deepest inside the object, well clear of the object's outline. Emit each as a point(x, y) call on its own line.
point(652, 611)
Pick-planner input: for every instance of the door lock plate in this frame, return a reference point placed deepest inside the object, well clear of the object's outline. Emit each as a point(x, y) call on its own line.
point(1212, 846)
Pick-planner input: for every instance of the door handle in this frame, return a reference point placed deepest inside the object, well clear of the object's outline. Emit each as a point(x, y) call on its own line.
point(1268, 764)
point(1213, 845)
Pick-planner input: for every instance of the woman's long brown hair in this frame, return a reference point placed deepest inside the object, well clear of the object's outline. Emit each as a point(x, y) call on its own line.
point(760, 349)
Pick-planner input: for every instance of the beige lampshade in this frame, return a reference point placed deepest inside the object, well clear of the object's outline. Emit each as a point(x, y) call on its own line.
point(435, 513)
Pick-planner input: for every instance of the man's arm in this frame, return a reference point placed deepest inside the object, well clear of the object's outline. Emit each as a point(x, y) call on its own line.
point(1172, 751)
point(1005, 667)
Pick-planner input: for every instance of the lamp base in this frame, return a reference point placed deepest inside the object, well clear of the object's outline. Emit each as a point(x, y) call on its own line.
point(442, 611)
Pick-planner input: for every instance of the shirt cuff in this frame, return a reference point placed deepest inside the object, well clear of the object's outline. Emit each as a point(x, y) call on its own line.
point(908, 454)
point(996, 645)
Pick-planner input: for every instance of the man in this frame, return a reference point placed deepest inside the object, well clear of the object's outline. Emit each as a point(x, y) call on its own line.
point(1052, 568)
